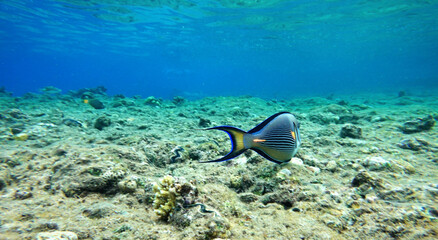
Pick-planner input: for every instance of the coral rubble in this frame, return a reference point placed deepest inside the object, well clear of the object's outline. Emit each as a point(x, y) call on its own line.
point(366, 168)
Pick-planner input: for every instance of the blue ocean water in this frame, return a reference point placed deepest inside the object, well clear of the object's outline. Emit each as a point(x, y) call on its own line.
point(197, 48)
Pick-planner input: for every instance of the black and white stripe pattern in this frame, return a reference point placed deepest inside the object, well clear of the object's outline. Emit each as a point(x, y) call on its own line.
point(279, 139)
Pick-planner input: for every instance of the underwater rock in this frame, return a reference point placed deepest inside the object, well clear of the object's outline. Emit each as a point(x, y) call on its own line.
point(398, 194)
point(286, 198)
point(48, 226)
point(21, 137)
point(401, 94)
point(350, 118)
point(183, 219)
point(88, 93)
point(119, 96)
point(115, 174)
point(59, 152)
point(95, 180)
point(315, 170)
point(342, 102)
point(21, 195)
point(323, 119)
point(248, 197)
point(5, 93)
point(241, 183)
point(363, 177)
point(50, 90)
point(285, 172)
point(152, 101)
point(96, 104)
point(2, 183)
point(419, 125)
point(16, 129)
point(333, 222)
point(204, 122)
point(102, 122)
point(71, 122)
point(5, 177)
point(178, 100)
point(128, 185)
point(331, 166)
point(99, 210)
point(336, 109)
point(58, 235)
point(123, 102)
point(216, 229)
point(262, 187)
point(351, 131)
point(413, 144)
point(16, 113)
point(86, 184)
point(375, 163)
point(297, 161)
point(379, 119)
point(195, 154)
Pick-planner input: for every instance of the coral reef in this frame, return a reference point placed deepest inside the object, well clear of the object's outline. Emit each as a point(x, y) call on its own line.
point(139, 177)
point(172, 194)
point(165, 197)
point(50, 90)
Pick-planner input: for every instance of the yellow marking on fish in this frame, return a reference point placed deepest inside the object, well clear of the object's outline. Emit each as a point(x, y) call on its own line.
point(85, 100)
point(293, 134)
point(259, 140)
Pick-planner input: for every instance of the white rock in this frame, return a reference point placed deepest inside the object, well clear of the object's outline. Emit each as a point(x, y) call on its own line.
point(285, 172)
point(58, 235)
point(331, 166)
point(296, 161)
point(311, 160)
point(375, 163)
point(315, 170)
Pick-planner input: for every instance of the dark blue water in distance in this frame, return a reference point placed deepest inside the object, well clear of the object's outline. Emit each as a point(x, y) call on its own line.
point(266, 48)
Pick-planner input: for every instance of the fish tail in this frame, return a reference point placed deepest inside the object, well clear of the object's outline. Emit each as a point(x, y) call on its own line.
point(236, 137)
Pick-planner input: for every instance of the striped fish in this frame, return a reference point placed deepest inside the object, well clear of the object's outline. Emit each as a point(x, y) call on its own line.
point(276, 139)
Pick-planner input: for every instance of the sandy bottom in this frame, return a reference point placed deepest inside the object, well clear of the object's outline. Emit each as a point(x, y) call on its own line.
point(367, 169)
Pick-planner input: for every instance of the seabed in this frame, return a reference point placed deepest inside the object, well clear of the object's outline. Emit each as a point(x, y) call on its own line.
point(128, 168)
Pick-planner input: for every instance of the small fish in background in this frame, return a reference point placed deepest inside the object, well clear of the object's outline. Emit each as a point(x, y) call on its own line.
point(96, 104)
point(276, 139)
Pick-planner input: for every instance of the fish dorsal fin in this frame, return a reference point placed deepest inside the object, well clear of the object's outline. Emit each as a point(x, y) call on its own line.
point(264, 123)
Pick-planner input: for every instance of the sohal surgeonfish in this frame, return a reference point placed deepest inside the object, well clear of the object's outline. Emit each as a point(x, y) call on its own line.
point(276, 139)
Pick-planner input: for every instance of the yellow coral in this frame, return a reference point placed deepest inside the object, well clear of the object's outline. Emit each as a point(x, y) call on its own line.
point(165, 197)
